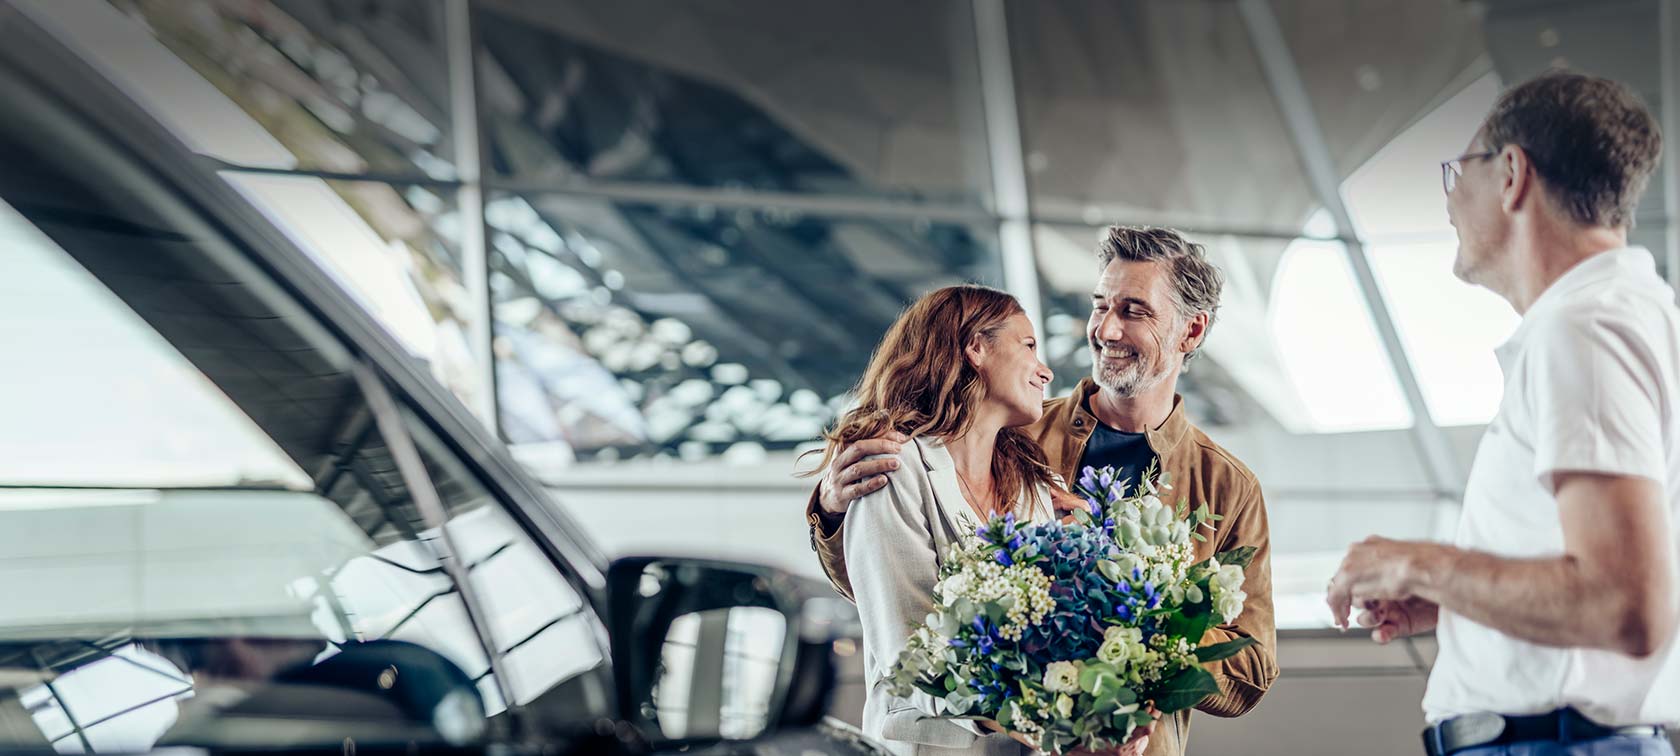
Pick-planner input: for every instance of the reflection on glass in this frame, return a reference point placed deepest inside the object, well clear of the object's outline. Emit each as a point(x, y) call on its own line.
point(717, 672)
point(396, 249)
point(628, 330)
point(175, 613)
point(865, 97)
point(333, 85)
point(104, 399)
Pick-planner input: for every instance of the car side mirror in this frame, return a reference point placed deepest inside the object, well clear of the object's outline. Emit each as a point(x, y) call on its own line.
point(706, 650)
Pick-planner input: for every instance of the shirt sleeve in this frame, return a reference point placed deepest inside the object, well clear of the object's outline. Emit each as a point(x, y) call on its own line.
point(1595, 396)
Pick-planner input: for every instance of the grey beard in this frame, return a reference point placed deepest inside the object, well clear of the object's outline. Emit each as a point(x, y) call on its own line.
point(1126, 382)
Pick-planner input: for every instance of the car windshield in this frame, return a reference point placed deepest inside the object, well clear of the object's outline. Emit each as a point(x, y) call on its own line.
point(205, 535)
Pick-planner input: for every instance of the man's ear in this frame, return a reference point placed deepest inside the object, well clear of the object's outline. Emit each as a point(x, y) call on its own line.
point(1517, 180)
point(1195, 332)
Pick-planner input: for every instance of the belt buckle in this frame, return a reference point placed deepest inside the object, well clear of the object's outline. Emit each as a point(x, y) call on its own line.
point(1471, 730)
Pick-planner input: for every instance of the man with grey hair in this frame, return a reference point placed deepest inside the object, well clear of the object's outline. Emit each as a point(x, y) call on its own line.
point(1151, 309)
point(1555, 607)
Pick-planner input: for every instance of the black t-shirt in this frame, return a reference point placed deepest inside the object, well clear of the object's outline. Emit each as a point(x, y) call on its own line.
point(1127, 453)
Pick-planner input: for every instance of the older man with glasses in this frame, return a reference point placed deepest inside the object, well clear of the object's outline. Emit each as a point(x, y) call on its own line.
point(1555, 608)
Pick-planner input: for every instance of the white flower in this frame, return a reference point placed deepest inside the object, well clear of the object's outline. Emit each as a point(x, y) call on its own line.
point(1112, 651)
point(1021, 720)
point(953, 587)
point(1123, 634)
point(1061, 677)
point(1161, 575)
point(1229, 604)
point(1228, 578)
point(1064, 705)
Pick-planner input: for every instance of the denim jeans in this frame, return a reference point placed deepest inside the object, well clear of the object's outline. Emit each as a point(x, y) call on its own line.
point(1615, 745)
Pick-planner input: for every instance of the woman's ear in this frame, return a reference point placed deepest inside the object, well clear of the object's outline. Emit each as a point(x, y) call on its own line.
point(976, 352)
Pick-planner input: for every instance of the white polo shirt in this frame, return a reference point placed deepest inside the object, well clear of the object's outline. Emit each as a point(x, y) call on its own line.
point(1592, 377)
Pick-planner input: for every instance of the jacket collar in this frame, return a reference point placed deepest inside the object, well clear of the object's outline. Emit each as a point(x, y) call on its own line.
point(1163, 439)
point(942, 476)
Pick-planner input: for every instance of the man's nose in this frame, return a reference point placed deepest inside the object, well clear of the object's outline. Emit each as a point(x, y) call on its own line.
point(1108, 328)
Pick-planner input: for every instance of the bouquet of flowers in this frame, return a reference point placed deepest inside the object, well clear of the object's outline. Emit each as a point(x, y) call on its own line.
point(1074, 634)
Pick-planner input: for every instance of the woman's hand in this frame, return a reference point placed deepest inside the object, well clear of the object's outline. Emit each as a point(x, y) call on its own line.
point(1019, 738)
point(1134, 745)
point(1066, 504)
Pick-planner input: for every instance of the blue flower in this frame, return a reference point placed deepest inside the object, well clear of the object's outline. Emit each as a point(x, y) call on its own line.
point(1004, 558)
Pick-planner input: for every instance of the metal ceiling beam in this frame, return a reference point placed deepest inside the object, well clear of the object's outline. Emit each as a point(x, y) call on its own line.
point(1008, 160)
point(1669, 16)
point(469, 202)
point(1284, 78)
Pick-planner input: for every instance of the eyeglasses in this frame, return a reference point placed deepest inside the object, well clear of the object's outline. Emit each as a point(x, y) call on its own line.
point(1452, 169)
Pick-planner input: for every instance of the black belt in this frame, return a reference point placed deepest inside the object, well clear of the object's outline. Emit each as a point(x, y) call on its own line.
point(1562, 726)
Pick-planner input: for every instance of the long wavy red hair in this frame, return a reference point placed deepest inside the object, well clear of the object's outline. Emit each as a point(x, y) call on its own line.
point(920, 383)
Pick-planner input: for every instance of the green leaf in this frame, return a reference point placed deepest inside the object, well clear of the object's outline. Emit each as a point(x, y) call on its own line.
point(1239, 556)
point(1142, 717)
point(1184, 690)
point(1093, 672)
point(961, 702)
point(1193, 619)
point(1199, 537)
point(1222, 651)
point(1110, 570)
point(1107, 685)
point(1006, 718)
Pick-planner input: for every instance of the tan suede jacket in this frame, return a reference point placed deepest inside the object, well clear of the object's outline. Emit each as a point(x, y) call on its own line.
point(1201, 471)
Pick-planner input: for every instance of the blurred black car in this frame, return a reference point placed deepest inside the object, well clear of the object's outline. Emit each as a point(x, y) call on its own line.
point(236, 516)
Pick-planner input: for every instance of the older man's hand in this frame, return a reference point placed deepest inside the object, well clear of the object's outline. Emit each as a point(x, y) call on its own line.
point(1389, 620)
point(1375, 570)
point(858, 469)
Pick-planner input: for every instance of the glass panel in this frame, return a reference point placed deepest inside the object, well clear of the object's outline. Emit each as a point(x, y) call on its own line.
point(1449, 328)
point(872, 97)
point(105, 401)
point(348, 86)
point(629, 330)
point(395, 248)
point(1371, 67)
point(1293, 344)
point(1128, 112)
